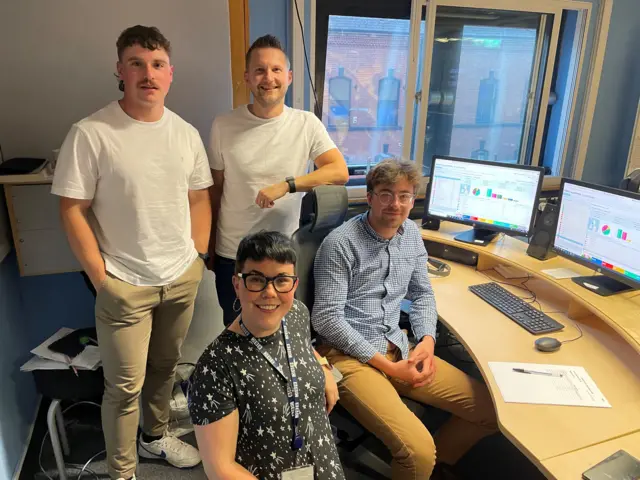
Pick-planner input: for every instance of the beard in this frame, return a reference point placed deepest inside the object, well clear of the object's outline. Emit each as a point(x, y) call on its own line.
point(269, 98)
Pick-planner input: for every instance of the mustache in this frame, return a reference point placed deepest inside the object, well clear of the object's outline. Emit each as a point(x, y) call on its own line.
point(147, 83)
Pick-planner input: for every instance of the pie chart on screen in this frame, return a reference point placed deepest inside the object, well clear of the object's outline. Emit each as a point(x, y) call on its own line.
point(476, 191)
point(606, 230)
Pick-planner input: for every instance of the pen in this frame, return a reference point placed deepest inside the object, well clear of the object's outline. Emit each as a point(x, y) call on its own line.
point(534, 372)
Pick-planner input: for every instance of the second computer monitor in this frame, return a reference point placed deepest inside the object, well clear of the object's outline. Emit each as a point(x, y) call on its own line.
point(492, 197)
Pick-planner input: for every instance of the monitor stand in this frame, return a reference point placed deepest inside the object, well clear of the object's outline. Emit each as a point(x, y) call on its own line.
point(601, 284)
point(476, 236)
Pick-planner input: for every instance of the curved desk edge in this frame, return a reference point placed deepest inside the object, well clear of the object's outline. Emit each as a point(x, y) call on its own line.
point(621, 311)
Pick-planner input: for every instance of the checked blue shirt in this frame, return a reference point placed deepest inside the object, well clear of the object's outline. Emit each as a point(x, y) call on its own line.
point(360, 282)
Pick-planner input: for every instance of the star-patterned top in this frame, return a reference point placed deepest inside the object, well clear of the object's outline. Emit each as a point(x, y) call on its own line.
point(231, 374)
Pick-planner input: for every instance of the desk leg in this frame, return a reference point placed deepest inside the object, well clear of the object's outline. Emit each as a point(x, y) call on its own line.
point(62, 432)
point(52, 422)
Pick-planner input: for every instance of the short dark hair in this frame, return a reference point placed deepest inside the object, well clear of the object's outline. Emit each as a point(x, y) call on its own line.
point(266, 41)
point(392, 170)
point(265, 246)
point(147, 37)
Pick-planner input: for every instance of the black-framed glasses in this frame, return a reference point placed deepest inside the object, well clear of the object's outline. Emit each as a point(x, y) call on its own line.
point(256, 282)
point(386, 198)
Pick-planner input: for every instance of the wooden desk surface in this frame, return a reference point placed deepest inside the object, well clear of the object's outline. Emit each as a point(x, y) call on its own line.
point(571, 465)
point(43, 176)
point(610, 355)
point(621, 311)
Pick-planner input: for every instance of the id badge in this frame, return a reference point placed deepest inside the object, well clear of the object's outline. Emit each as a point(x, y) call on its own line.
point(298, 473)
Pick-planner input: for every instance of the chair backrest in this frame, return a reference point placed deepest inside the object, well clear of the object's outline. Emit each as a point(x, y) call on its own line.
point(323, 209)
point(632, 182)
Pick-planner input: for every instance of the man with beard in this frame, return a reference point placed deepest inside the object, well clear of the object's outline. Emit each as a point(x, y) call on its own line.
point(260, 155)
point(363, 271)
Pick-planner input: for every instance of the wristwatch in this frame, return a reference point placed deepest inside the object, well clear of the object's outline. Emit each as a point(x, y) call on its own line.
point(292, 184)
point(325, 363)
point(204, 256)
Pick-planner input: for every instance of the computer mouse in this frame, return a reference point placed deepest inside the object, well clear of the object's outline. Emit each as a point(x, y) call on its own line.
point(547, 344)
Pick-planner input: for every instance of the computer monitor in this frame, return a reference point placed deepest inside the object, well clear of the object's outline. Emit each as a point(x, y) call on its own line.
point(599, 227)
point(492, 197)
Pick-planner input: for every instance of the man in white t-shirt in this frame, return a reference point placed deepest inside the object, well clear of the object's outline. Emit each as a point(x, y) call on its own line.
point(133, 180)
point(260, 156)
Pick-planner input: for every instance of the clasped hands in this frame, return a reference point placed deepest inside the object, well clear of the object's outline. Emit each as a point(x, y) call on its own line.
point(420, 368)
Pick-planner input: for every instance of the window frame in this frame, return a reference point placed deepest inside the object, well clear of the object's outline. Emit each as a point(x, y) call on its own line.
point(578, 125)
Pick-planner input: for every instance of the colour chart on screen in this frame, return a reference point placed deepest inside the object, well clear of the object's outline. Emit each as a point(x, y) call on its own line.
point(484, 194)
point(602, 228)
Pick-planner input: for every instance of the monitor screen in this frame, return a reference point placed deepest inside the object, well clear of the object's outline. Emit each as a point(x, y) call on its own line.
point(600, 226)
point(489, 195)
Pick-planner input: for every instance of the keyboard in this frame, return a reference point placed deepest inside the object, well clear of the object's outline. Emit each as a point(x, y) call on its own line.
point(529, 318)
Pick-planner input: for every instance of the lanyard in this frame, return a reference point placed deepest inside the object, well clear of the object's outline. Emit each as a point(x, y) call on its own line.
point(292, 393)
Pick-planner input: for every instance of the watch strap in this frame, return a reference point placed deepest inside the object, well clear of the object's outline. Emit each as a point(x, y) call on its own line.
point(292, 184)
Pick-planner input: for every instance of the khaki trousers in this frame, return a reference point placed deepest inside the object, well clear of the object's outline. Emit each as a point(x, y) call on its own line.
point(140, 333)
point(374, 400)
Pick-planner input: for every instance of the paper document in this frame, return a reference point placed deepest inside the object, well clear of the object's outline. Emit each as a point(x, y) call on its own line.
point(510, 272)
point(88, 359)
point(561, 273)
point(547, 384)
point(43, 351)
point(46, 359)
point(37, 363)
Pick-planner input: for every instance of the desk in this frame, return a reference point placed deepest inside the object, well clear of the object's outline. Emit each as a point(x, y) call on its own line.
point(609, 350)
point(34, 217)
point(571, 465)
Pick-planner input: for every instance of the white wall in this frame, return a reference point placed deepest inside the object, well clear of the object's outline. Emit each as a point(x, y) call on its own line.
point(57, 60)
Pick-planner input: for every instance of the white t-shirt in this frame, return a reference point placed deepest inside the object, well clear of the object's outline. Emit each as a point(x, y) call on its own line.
point(256, 153)
point(138, 175)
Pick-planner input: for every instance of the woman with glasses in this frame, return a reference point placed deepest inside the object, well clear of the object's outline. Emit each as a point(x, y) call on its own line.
point(259, 397)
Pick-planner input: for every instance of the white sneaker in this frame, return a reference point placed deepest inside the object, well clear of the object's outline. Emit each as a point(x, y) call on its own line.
point(179, 428)
point(176, 452)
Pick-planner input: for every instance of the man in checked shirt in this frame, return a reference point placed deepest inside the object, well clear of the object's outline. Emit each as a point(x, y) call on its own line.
point(363, 271)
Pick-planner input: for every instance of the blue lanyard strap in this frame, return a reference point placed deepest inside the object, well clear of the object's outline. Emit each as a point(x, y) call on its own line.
point(293, 394)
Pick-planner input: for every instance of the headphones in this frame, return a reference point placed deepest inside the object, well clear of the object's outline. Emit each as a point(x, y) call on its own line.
point(441, 269)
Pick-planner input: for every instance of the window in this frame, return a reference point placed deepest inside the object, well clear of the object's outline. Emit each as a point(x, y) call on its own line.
point(339, 113)
point(388, 100)
point(361, 74)
point(441, 77)
point(483, 70)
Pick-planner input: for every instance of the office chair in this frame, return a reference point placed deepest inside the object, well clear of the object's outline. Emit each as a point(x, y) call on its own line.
point(631, 182)
point(324, 209)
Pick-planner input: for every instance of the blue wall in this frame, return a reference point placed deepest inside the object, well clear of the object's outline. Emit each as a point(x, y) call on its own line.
point(269, 16)
point(31, 309)
point(17, 392)
point(617, 98)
